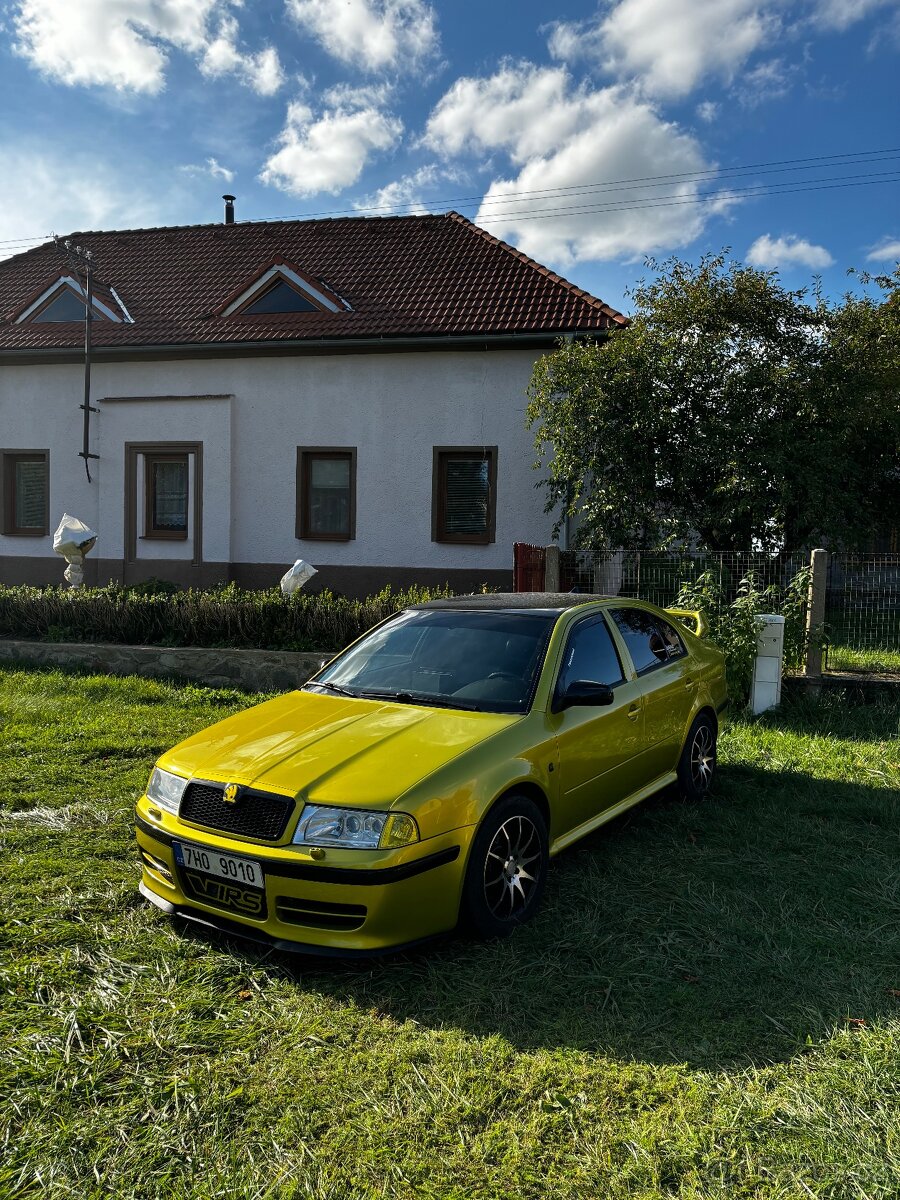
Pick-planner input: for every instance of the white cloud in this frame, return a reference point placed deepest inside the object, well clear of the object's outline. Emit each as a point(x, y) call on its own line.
point(123, 44)
point(670, 45)
point(93, 42)
point(61, 192)
point(566, 141)
point(707, 111)
point(840, 14)
point(327, 152)
point(522, 108)
point(887, 250)
point(405, 195)
point(376, 35)
point(769, 253)
point(212, 167)
point(766, 81)
point(261, 71)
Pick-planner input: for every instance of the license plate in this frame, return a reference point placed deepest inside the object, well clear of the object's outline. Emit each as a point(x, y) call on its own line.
point(213, 862)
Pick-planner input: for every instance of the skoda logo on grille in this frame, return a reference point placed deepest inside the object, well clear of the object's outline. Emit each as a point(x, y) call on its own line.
point(231, 793)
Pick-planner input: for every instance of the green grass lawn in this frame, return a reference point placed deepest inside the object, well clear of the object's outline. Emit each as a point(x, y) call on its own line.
point(708, 1004)
point(842, 657)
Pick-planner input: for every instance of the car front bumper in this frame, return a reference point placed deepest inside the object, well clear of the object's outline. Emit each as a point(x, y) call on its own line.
point(337, 906)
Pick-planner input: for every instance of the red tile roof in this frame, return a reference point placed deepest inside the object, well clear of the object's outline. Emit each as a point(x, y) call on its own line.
point(417, 276)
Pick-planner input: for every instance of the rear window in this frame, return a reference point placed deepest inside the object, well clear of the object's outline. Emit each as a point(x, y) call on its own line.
point(650, 640)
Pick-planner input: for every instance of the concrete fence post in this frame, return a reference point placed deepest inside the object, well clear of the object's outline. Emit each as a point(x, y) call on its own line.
point(551, 568)
point(815, 611)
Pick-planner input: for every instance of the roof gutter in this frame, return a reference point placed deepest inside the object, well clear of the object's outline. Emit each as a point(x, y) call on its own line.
point(298, 346)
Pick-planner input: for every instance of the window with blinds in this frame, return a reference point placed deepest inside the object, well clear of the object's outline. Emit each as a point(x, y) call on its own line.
point(326, 493)
point(26, 479)
point(166, 480)
point(464, 494)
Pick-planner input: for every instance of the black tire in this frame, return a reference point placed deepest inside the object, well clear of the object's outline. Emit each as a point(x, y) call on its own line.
point(507, 869)
point(697, 765)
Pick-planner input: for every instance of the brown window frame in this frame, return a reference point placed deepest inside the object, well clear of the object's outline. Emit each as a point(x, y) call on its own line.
point(151, 532)
point(8, 460)
point(305, 456)
point(133, 509)
point(443, 455)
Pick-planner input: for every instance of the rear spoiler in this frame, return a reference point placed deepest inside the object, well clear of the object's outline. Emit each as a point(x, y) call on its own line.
point(701, 625)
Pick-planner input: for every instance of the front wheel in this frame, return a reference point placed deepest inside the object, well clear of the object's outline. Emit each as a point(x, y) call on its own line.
point(507, 868)
point(697, 765)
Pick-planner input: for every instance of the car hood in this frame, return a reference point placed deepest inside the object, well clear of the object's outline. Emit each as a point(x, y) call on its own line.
point(332, 749)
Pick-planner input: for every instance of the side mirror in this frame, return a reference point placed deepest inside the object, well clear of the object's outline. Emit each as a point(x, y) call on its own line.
point(584, 693)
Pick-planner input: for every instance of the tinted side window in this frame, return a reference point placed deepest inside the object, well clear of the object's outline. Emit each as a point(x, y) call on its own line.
point(672, 643)
point(590, 654)
point(650, 641)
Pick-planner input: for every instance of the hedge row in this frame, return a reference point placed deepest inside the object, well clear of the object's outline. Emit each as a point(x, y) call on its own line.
point(226, 616)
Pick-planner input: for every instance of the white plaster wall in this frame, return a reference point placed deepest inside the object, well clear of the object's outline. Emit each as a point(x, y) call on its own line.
point(39, 410)
point(207, 421)
point(393, 407)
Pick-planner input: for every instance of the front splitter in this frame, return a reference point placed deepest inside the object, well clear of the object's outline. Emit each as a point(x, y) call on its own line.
point(261, 938)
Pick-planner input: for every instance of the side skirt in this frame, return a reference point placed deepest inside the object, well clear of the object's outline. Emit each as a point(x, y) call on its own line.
point(608, 814)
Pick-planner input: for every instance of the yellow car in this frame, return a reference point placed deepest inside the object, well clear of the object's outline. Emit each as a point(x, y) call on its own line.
point(428, 774)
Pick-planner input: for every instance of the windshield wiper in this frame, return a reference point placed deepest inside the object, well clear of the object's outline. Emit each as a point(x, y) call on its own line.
point(331, 687)
point(419, 698)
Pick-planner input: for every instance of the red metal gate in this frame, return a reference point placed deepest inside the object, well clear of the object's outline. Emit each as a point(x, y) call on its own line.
point(528, 567)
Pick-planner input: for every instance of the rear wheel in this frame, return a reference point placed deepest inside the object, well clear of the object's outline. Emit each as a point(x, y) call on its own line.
point(697, 765)
point(507, 868)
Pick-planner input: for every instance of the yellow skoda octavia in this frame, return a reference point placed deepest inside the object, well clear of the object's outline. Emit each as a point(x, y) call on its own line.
point(428, 774)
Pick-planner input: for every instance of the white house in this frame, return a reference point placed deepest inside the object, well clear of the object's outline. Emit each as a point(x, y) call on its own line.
point(349, 391)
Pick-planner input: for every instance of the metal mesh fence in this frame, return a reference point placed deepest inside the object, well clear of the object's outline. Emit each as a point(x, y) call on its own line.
point(862, 592)
point(658, 577)
point(862, 612)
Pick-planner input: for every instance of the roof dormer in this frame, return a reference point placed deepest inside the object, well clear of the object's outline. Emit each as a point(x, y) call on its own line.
point(282, 287)
point(63, 301)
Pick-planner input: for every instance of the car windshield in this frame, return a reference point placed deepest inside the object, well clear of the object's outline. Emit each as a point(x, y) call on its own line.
point(479, 660)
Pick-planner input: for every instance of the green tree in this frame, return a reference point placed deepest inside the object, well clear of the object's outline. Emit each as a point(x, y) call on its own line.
point(730, 407)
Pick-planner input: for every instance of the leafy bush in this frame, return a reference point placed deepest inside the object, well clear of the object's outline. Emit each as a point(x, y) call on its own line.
point(732, 616)
point(226, 616)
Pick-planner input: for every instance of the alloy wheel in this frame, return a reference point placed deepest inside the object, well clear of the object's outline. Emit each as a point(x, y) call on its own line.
point(510, 874)
point(703, 758)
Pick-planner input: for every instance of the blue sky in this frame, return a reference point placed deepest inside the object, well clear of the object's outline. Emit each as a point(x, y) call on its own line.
point(591, 139)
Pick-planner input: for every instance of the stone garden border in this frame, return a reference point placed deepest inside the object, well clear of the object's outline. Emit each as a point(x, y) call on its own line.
point(251, 670)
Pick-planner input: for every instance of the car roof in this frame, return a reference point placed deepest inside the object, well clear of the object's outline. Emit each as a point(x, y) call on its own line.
point(518, 601)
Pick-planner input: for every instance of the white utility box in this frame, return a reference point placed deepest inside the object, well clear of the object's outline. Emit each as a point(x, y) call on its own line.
point(766, 690)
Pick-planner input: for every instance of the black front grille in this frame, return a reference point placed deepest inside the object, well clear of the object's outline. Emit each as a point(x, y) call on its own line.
point(254, 814)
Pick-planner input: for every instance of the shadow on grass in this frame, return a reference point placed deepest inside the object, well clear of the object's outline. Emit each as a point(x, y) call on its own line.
point(736, 931)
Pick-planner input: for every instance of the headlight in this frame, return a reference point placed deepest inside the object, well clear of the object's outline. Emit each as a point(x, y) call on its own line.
point(166, 789)
point(325, 826)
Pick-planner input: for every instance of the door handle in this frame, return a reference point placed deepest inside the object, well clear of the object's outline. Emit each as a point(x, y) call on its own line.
point(633, 712)
point(690, 684)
